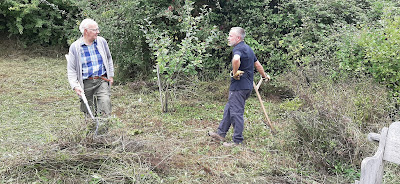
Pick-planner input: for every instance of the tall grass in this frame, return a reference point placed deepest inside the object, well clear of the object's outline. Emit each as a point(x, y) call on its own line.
point(329, 120)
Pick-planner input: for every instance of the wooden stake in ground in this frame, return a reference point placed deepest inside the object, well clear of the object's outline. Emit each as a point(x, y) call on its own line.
point(256, 87)
point(160, 88)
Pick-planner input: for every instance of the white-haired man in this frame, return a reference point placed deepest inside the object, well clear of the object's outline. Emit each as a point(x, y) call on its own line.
point(244, 60)
point(90, 68)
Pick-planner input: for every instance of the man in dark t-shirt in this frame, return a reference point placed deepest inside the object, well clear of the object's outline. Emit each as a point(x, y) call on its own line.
point(240, 89)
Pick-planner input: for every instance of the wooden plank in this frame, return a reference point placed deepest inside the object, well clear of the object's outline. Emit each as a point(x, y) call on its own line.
point(372, 167)
point(392, 148)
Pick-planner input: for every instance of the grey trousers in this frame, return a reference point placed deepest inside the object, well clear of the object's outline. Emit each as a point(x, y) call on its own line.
point(233, 115)
point(98, 94)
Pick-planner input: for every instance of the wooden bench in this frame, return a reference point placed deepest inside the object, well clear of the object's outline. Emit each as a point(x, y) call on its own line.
point(388, 150)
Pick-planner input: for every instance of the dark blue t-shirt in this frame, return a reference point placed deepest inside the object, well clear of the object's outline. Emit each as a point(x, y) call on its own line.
point(247, 60)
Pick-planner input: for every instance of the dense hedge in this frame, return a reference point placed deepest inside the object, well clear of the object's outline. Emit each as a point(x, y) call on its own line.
point(284, 34)
point(126, 26)
point(374, 49)
point(120, 23)
point(45, 22)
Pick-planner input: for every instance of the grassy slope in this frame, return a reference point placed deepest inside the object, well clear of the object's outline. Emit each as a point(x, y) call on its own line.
point(44, 138)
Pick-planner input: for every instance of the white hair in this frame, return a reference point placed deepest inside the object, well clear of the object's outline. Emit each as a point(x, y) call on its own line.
point(85, 24)
point(240, 31)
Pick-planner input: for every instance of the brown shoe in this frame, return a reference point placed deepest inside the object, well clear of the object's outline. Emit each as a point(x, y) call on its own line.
point(230, 144)
point(216, 136)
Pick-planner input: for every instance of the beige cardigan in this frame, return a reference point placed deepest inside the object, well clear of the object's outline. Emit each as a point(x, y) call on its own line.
point(74, 61)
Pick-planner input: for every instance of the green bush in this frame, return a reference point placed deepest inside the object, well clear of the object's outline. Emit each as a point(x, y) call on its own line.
point(289, 33)
point(122, 24)
point(184, 57)
point(45, 22)
point(284, 34)
point(264, 28)
point(373, 50)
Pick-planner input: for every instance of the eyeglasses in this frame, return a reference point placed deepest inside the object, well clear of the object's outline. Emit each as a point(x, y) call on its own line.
point(95, 30)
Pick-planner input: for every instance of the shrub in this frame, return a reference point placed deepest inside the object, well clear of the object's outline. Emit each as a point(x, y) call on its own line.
point(329, 120)
point(289, 33)
point(39, 21)
point(180, 59)
point(373, 50)
point(183, 57)
point(120, 23)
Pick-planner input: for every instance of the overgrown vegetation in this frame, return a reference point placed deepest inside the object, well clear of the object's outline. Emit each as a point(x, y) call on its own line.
point(373, 50)
point(328, 120)
point(335, 69)
point(40, 21)
point(179, 63)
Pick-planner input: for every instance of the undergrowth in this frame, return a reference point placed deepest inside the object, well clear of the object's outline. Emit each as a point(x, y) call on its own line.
point(329, 121)
point(321, 131)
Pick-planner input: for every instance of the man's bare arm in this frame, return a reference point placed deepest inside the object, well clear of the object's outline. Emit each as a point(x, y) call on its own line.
point(235, 63)
point(260, 69)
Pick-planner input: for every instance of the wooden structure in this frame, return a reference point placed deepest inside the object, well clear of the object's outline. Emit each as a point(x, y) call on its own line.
point(388, 150)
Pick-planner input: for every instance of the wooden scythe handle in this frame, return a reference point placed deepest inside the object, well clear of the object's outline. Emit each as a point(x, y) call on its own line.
point(256, 87)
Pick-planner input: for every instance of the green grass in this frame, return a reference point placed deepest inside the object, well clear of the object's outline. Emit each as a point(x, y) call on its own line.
point(42, 129)
point(44, 138)
point(35, 100)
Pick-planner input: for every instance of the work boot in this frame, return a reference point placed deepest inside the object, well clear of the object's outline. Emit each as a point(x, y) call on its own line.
point(216, 136)
point(230, 144)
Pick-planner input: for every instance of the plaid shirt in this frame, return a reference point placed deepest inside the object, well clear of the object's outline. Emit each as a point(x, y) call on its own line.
point(92, 62)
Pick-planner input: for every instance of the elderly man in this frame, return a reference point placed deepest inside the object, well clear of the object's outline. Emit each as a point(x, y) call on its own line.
point(90, 68)
point(243, 63)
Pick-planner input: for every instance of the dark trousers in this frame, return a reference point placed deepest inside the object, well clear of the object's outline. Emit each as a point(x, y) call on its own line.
point(233, 115)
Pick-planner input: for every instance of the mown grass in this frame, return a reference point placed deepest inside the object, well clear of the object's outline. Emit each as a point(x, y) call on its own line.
point(44, 137)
